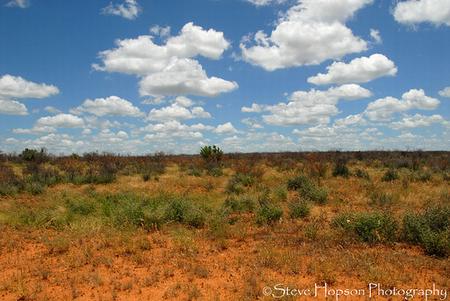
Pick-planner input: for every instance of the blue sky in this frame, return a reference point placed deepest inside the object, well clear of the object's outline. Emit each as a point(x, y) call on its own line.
point(134, 76)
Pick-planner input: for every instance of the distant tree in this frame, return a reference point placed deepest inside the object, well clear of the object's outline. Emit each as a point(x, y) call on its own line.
point(33, 155)
point(211, 153)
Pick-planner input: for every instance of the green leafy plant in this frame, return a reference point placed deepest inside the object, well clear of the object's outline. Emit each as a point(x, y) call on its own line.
point(429, 229)
point(370, 227)
point(390, 175)
point(308, 190)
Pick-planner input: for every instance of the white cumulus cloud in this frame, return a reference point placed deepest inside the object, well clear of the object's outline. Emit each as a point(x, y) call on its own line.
point(312, 107)
point(18, 87)
point(383, 109)
point(412, 12)
point(177, 112)
point(170, 69)
point(311, 32)
point(445, 92)
point(12, 107)
point(129, 9)
point(18, 3)
point(417, 120)
point(226, 128)
point(60, 121)
point(359, 70)
point(265, 2)
point(112, 105)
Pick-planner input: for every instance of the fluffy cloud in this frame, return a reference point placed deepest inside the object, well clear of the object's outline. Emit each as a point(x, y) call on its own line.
point(252, 123)
point(60, 121)
point(445, 92)
point(12, 107)
point(312, 107)
point(170, 69)
point(359, 70)
point(112, 105)
point(309, 33)
point(52, 110)
point(141, 56)
point(129, 9)
point(265, 2)
point(170, 130)
point(417, 11)
point(383, 109)
point(177, 112)
point(18, 3)
point(255, 108)
point(184, 77)
point(160, 30)
point(17, 87)
point(350, 120)
point(226, 128)
point(375, 34)
point(183, 101)
point(417, 120)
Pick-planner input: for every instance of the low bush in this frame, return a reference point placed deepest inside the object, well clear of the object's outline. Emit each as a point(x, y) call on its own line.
point(390, 175)
point(268, 213)
point(10, 183)
point(381, 198)
point(299, 209)
point(429, 229)
point(308, 190)
point(375, 227)
point(34, 187)
point(341, 169)
point(239, 204)
point(239, 182)
point(215, 171)
point(421, 176)
point(360, 173)
point(194, 171)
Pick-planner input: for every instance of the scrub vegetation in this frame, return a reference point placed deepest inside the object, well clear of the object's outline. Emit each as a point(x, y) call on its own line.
point(220, 226)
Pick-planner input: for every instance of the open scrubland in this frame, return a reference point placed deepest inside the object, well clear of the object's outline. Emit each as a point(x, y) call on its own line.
point(221, 226)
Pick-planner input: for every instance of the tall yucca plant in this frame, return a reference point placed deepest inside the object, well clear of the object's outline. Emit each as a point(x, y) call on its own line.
point(211, 154)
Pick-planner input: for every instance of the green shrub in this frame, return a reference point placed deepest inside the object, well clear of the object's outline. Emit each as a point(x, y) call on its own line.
point(194, 171)
point(390, 175)
point(8, 189)
point(240, 204)
point(381, 198)
point(218, 226)
point(10, 184)
point(215, 171)
point(368, 227)
point(34, 188)
point(341, 169)
point(153, 218)
point(299, 209)
point(80, 207)
point(308, 190)
point(239, 182)
point(268, 213)
point(421, 176)
point(182, 211)
point(360, 173)
point(429, 229)
point(280, 193)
